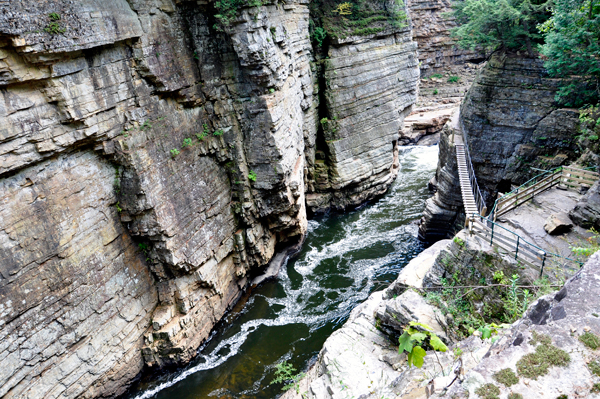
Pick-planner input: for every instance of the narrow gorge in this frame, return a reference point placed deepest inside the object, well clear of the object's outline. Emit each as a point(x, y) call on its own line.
point(161, 161)
point(155, 156)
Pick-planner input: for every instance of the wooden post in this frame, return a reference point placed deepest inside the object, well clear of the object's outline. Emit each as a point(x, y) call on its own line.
point(517, 249)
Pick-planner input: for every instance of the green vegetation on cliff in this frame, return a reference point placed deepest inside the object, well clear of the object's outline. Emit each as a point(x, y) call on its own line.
point(338, 20)
point(499, 24)
point(566, 32)
point(573, 49)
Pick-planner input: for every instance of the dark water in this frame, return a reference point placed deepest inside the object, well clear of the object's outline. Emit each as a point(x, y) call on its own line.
point(344, 259)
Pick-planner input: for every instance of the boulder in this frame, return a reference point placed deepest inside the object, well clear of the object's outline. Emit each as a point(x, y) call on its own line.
point(587, 211)
point(395, 314)
point(558, 223)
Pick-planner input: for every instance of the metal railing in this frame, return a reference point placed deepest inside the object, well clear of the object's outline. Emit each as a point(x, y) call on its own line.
point(488, 229)
point(565, 175)
point(510, 241)
point(479, 201)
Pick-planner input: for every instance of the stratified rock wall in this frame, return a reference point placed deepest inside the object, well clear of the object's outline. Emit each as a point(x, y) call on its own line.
point(370, 86)
point(431, 30)
point(444, 211)
point(147, 163)
point(512, 122)
point(150, 162)
point(513, 128)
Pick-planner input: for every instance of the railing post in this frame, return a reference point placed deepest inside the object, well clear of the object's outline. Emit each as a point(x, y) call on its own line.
point(492, 235)
point(517, 249)
point(543, 255)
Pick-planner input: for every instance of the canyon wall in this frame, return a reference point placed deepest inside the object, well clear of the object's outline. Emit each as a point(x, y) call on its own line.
point(514, 128)
point(152, 157)
point(370, 86)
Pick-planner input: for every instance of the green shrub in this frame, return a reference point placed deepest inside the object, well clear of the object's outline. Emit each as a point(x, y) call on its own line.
point(286, 373)
point(412, 340)
point(453, 79)
point(435, 92)
point(218, 132)
point(174, 152)
point(514, 395)
point(318, 35)
point(187, 143)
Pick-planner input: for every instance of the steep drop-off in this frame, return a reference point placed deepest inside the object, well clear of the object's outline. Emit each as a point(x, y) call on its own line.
point(149, 162)
point(513, 127)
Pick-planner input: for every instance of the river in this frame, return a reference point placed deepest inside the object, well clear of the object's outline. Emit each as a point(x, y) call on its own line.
point(345, 257)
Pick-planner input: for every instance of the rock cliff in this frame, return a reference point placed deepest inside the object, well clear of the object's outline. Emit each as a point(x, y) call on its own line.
point(514, 128)
point(368, 83)
point(152, 157)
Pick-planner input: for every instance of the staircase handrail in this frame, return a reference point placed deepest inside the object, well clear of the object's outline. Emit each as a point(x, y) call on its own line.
point(490, 225)
point(472, 178)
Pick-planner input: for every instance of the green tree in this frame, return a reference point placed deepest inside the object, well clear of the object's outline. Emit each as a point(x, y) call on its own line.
point(499, 24)
point(573, 50)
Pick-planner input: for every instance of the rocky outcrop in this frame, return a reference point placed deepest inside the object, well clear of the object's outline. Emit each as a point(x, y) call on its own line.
point(513, 129)
point(152, 161)
point(552, 351)
point(437, 49)
point(147, 164)
point(444, 211)
point(558, 223)
point(512, 123)
point(587, 211)
point(370, 86)
point(447, 70)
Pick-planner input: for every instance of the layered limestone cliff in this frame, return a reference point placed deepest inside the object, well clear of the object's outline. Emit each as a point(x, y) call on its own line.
point(370, 84)
point(152, 158)
point(513, 127)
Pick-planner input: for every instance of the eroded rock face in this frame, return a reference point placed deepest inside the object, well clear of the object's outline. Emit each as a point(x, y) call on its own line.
point(113, 245)
point(444, 212)
point(512, 125)
point(370, 86)
point(149, 164)
point(512, 122)
point(587, 211)
point(561, 319)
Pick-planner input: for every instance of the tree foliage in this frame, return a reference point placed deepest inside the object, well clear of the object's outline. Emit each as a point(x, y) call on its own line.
point(572, 49)
point(499, 24)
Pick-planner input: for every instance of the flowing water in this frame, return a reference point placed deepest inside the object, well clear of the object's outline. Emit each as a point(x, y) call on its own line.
point(344, 258)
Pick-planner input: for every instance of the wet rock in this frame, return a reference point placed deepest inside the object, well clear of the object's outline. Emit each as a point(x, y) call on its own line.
point(558, 223)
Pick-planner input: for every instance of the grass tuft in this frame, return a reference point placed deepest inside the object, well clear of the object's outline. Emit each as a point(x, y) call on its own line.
point(506, 377)
point(488, 391)
point(590, 340)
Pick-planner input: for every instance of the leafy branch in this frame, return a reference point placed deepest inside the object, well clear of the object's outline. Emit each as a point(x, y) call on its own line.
point(415, 336)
